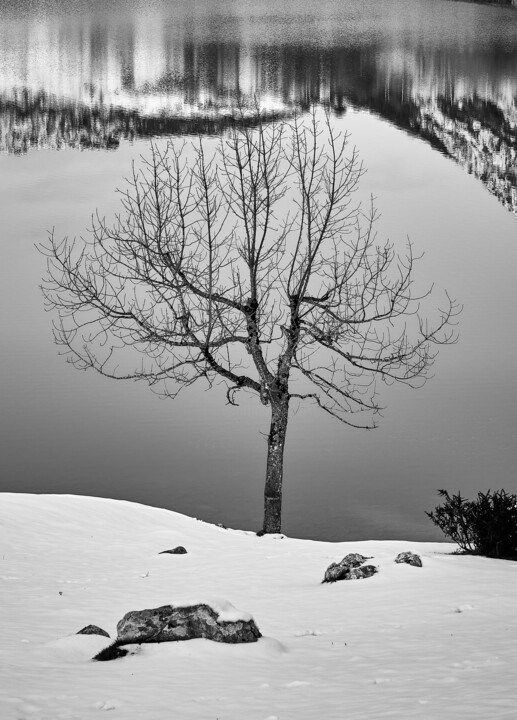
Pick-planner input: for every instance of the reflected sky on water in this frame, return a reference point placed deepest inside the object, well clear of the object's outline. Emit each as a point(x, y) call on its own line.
point(445, 72)
point(407, 79)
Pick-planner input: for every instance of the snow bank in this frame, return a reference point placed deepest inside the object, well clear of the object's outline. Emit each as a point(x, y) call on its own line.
point(437, 642)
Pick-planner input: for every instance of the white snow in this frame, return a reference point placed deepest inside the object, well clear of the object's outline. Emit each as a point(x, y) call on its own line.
point(435, 643)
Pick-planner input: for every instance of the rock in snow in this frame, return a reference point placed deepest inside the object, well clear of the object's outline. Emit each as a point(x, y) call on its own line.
point(365, 571)
point(180, 550)
point(355, 559)
point(92, 630)
point(184, 623)
point(169, 623)
point(409, 558)
point(343, 569)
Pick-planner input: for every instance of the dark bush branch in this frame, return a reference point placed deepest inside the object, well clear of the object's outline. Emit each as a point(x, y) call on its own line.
point(485, 526)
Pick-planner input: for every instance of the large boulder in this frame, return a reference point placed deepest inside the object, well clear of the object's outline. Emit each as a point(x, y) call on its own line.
point(409, 558)
point(218, 621)
point(343, 570)
point(169, 622)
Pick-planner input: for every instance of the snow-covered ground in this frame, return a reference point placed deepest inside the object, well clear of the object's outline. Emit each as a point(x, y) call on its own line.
point(435, 642)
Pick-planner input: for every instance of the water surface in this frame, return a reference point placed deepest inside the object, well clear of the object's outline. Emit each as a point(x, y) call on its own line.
point(428, 91)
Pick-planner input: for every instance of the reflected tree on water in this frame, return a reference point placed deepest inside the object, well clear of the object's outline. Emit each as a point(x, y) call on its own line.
point(254, 265)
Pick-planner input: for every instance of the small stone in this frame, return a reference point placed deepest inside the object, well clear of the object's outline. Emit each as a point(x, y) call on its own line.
point(354, 559)
point(409, 558)
point(341, 570)
point(92, 630)
point(359, 573)
point(180, 550)
point(335, 572)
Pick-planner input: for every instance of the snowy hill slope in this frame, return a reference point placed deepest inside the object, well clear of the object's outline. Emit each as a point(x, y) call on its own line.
point(437, 642)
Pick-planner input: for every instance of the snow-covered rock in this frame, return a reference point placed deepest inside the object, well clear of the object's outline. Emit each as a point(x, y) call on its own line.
point(187, 622)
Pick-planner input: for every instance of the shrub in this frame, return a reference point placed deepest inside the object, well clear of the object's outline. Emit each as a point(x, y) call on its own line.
point(485, 526)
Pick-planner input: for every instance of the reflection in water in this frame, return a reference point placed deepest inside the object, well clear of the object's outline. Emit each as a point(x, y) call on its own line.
point(84, 77)
point(44, 122)
point(95, 82)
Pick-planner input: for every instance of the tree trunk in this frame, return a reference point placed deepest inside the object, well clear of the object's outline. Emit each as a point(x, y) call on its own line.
point(275, 465)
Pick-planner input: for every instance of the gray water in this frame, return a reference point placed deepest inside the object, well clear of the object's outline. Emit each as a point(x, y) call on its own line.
point(428, 90)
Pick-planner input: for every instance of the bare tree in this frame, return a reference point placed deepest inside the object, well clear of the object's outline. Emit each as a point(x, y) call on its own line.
point(253, 264)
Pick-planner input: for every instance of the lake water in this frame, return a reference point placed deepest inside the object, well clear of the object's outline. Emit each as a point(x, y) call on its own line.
point(428, 90)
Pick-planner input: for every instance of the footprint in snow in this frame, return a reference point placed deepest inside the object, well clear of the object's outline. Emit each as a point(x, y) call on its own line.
point(478, 664)
point(464, 608)
point(465, 665)
point(107, 705)
point(445, 680)
point(29, 708)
